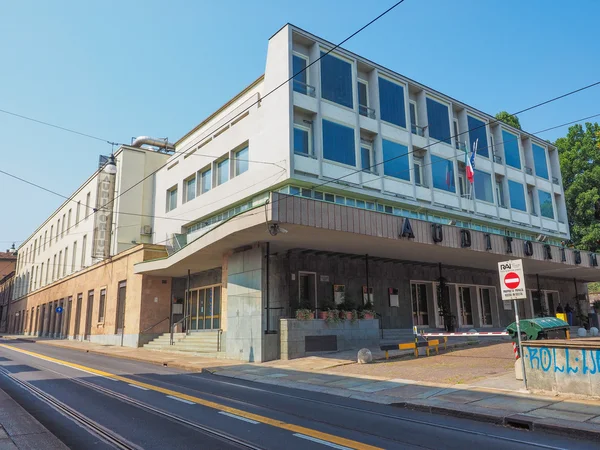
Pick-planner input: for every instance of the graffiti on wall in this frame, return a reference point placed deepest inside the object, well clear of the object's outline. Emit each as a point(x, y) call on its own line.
point(576, 361)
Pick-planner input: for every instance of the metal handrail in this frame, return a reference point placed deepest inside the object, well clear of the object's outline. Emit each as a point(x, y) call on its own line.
point(160, 321)
point(364, 110)
point(304, 88)
point(176, 323)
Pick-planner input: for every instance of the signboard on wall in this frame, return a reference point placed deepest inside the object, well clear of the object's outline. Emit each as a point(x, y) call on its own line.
point(394, 297)
point(103, 216)
point(339, 293)
point(367, 297)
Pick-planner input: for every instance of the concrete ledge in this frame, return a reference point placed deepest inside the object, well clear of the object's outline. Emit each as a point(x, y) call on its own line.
point(456, 410)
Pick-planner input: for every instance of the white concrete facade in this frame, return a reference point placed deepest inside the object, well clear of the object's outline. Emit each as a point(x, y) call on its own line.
point(264, 122)
point(63, 244)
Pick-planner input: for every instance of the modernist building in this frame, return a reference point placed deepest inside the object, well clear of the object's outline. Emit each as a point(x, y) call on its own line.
point(80, 260)
point(352, 178)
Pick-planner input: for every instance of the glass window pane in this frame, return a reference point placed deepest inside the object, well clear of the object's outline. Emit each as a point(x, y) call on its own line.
point(241, 161)
point(329, 198)
point(362, 94)
point(172, 199)
point(546, 209)
point(391, 102)
point(477, 132)
point(318, 195)
point(395, 157)
point(190, 189)
point(222, 172)
point(336, 80)
point(517, 195)
point(300, 78)
point(338, 143)
point(442, 174)
point(539, 161)
point(438, 121)
point(511, 150)
point(301, 141)
point(206, 180)
point(217, 308)
point(365, 157)
point(483, 186)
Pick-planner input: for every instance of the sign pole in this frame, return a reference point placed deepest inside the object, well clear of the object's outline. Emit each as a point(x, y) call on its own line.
point(519, 341)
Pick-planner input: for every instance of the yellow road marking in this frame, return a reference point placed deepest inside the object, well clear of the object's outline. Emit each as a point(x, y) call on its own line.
point(262, 419)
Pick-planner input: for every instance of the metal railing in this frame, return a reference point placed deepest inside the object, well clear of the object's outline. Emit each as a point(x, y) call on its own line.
point(177, 323)
point(555, 180)
point(416, 129)
point(160, 321)
point(528, 170)
point(422, 184)
point(304, 88)
point(498, 159)
point(364, 110)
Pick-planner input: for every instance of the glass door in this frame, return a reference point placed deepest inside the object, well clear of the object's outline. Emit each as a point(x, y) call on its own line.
point(485, 307)
point(419, 304)
point(204, 308)
point(464, 306)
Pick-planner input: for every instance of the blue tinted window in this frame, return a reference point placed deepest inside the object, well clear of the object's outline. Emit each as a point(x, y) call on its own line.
point(391, 102)
point(442, 174)
point(336, 80)
point(395, 157)
point(206, 180)
point(338, 143)
point(301, 141)
point(241, 161)
point(477, 132)
point(222, 172)
point(483, 186)
point(365, 157)
point(438, 121)
point(517, 195)
point(546, 209)
point(539, 161)
point(300, 75)
point(511, 150)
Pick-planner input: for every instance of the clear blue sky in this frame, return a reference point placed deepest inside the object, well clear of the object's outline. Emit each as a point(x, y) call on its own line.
point(117, 69)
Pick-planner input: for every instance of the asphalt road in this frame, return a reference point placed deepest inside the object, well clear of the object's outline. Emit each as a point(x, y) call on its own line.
point(92, 401)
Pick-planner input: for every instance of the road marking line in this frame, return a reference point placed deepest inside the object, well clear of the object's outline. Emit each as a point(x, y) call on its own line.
point(238, 417)
point(138, 387)
point(319, 441)
point(180, 400)
point(326, 437)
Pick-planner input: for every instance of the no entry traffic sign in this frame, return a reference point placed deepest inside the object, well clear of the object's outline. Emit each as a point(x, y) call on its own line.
point(512, 280)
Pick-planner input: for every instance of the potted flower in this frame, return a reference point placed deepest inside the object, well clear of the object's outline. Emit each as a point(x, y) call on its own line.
point(367, 311)
point(324, 309)
point(348, 310)
point(332, 316)
point(305, 314)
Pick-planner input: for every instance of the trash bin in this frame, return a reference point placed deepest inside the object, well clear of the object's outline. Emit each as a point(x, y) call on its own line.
point(540, 328)
point(561, 316)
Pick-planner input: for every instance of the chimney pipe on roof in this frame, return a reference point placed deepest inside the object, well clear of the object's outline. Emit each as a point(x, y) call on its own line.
point(147, 140)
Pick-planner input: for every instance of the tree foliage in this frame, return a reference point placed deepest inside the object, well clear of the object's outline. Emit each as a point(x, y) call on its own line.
point(580, 163)
point(509, 119)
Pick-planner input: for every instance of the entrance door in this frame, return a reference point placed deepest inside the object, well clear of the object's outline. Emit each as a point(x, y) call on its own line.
point(538, 308)
point(43, 328)
point(204, 308)
point(552, 301)
point(37, 321)
point(419, 304)
point(307, 290)
point(465, 310)
point(78, 315)
point(438, 299)
point(88, 315)
point(67, 319)
point(485, 306)
point(121, 298)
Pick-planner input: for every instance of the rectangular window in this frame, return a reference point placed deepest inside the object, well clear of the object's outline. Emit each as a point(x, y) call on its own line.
point(88, 199)
point(442, 174)
point(500, 193)
point(47, 270)
point(418, 170)
point(57, 230)
point(336, 80)
point(241, 161)
point(83, 245)
point(45, 238)
point(366, 157)
point(395, 157)
point(41, 274)
point(391, 102)
point(477, 132)
point(539, 161)
point(62, 233)
point(338, 143)
point(511, 149)
point(69, 222)
point(363, 98)
point(414, 120)
point(74, 261)
point(457, 136)
point(171, 199)
point(65, 262)
point(77, 212)
point(102, 305)
point(438, 120)
point(206, 179)
point(517, 196)
point(190, 188)
point(302, 140)
point(59, 264)
point(531, 202)
point(300, 73)
point(483, 186)
point(546, 209)
point(222, 171)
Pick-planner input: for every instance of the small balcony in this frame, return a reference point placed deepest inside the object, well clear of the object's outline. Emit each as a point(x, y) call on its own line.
point(366, 111)
point(555, 181)
point(304, 88)
point(416, 129)
point(528, 170)
point(498, 159)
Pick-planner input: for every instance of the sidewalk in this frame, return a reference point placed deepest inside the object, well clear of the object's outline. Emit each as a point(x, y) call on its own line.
point(475, 382)
point(19, 430)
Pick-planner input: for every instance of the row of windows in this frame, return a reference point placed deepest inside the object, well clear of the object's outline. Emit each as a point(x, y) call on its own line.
point(62, 227)
point(336, 86)
point(204, 180)
point(389, 209)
